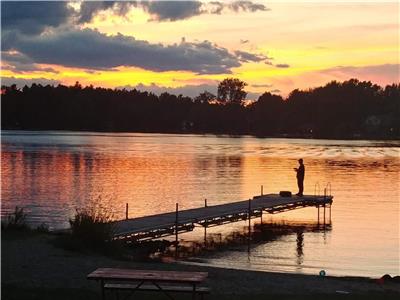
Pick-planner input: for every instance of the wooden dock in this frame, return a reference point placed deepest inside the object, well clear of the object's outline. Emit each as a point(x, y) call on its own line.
point(172, 223)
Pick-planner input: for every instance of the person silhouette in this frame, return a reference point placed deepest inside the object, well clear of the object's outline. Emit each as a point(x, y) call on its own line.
point(300, 177)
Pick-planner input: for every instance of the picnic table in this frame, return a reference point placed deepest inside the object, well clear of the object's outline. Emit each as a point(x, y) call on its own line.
point(134, 280)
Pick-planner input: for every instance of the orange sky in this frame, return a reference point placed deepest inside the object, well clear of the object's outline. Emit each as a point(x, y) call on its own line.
point(307, 44)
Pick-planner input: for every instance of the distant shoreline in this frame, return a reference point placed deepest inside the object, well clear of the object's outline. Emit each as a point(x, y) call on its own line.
point(218, 134)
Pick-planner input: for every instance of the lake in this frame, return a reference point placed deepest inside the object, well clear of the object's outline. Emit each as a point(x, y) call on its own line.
point(51, 174)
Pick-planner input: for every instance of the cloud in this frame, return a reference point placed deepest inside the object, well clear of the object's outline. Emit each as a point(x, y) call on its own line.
point(172, 10)
point(246, 6)
point(262, 85)
point(275, 91)
point(19, 63)
point(178, 10)
point(33, 17)
point(282, 66)
point(90, 9)
point(21, 82)
point(244, 41)
point(91, 49)
point(250, 57)
point(381, 74)
point(163, 11)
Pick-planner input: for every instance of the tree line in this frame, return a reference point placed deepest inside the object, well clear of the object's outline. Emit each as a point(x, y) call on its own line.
point(349, 109)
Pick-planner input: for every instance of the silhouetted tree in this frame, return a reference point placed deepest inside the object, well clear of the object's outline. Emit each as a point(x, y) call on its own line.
point(205, 97)
point(346, 109)
point(231, 90)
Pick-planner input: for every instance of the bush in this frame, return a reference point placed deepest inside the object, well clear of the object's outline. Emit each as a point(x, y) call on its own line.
point(92, 226)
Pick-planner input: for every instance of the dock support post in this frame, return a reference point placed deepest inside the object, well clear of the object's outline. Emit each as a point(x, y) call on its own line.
point(205, 226)
point(126, 211)
point(176, 231)
point(318, 213)
point(262, 190)
point(249, 232)
point(205, 234)
point(330, 214)
point(324, 214)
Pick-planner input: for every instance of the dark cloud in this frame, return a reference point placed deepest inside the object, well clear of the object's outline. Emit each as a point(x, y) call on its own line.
point(282, 66)
point(23, 23)
point(89, 9)
point(21, 82)
point(178, 10)
point(248, 57)
point(33, 17)
point(91, 49)
point(19, 63)
point(246, 6)
point(172, 10)
point(166, 10)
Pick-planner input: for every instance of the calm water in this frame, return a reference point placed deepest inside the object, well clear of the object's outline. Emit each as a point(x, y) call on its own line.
point(51, 174)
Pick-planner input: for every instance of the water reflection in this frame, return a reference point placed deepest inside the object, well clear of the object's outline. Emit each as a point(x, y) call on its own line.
point(234, 248)
point(299, 248)
point(50, 174)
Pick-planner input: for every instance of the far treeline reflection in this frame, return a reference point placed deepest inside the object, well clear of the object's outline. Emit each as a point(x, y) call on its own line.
point(351, 109)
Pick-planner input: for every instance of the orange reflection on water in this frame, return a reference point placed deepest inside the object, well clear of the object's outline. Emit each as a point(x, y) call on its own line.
point(153, 172)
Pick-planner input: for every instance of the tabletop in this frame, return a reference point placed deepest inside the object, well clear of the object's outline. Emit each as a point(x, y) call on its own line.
point(150, 275)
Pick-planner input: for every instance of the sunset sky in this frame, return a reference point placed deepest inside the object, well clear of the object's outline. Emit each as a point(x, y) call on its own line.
point(189, 46)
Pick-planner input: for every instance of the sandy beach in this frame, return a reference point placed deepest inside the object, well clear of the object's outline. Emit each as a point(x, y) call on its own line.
point(33, 268)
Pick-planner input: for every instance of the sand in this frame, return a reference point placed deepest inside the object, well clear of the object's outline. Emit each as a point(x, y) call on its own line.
point(35, 263)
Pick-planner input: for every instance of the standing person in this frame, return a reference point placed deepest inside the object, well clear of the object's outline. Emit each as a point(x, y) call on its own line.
point(300, 177)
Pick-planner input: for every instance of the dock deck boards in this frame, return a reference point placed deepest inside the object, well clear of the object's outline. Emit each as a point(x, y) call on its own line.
point(165, 224)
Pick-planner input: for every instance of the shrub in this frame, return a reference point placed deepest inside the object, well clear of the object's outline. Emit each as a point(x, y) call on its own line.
point(15, 220)
point(92, 226)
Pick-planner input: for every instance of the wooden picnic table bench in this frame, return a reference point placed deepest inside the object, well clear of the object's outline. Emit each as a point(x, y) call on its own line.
point(134, 280)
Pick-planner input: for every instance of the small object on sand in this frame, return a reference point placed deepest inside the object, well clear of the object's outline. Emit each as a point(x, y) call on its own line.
point(322, 273)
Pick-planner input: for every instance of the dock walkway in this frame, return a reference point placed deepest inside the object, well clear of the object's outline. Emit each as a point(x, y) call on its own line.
point(160, 225)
